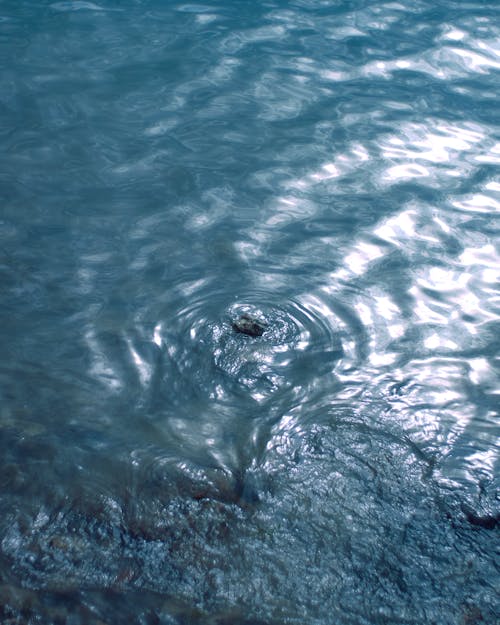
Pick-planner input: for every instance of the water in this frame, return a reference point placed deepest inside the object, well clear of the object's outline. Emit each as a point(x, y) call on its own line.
point(329, 167)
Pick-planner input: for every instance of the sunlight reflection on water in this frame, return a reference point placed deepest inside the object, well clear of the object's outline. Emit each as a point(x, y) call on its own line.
point(324, 168)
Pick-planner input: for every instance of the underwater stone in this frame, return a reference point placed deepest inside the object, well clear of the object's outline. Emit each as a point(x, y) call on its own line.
point(487, 522)
point(249, 325)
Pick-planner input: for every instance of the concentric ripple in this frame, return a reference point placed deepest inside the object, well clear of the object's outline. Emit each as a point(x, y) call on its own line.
point(297, 346)
point(221, 391)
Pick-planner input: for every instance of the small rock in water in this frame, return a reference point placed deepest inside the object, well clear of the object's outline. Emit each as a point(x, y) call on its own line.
point(249, 325)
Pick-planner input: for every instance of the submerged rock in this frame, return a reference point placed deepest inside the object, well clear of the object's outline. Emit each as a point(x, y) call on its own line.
point(487, 522)
point(247, 324)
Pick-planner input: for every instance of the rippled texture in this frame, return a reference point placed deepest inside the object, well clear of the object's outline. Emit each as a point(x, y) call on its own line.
point(328, 167)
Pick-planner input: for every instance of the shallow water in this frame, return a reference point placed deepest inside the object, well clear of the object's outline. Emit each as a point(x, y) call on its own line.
point(328, 167)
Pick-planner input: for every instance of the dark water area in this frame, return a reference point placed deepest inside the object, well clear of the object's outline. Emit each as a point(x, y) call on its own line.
point(329, 169)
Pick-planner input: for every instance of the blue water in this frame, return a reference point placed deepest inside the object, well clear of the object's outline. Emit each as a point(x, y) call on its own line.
point(327, 167)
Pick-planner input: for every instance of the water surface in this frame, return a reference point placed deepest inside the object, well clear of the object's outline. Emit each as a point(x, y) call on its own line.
point(329, 167)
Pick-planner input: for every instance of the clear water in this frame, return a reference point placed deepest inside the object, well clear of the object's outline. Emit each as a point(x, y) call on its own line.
point(330, 167)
